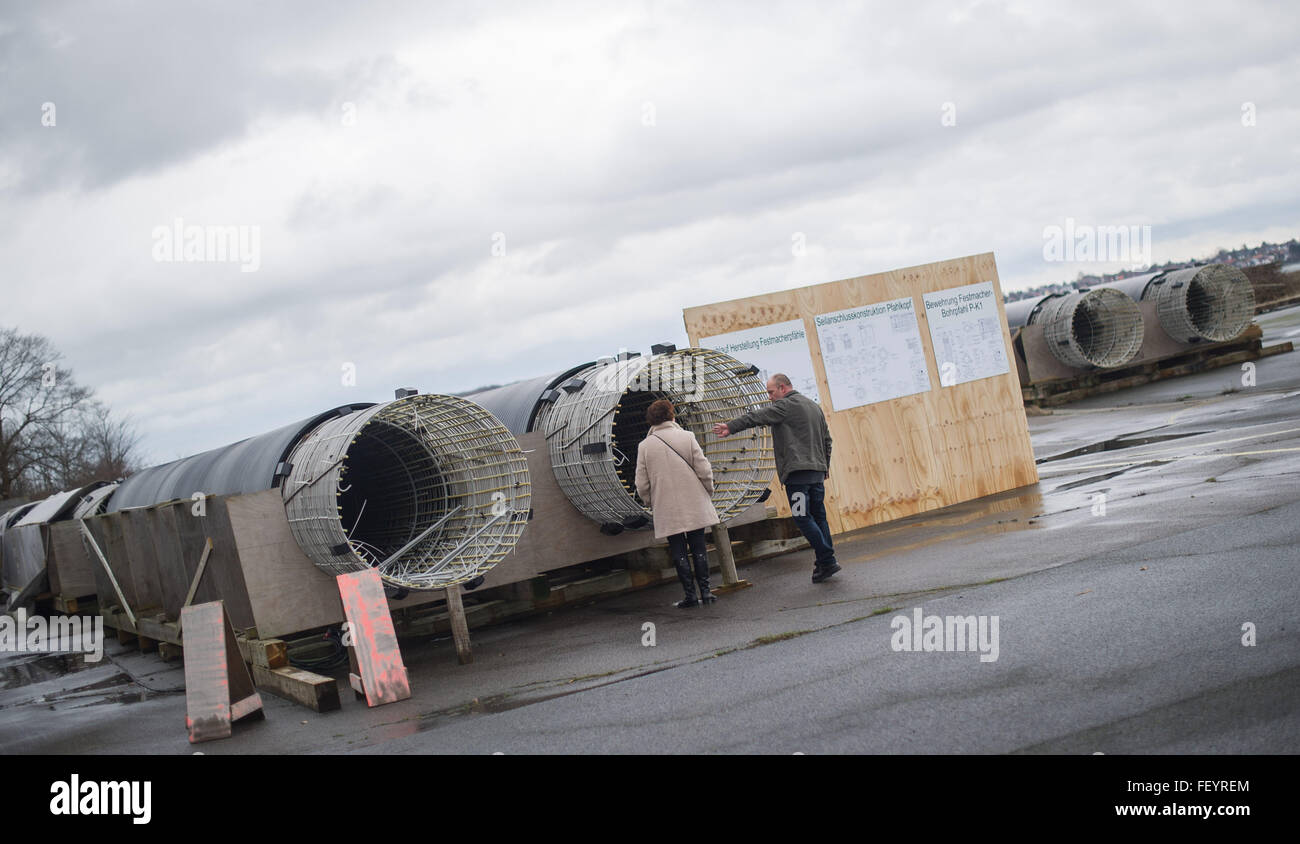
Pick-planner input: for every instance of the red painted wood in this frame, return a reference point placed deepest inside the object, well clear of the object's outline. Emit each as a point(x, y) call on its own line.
point(374, 641)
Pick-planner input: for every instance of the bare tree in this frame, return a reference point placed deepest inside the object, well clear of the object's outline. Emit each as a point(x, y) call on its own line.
point(53, 434)
point(109, 445)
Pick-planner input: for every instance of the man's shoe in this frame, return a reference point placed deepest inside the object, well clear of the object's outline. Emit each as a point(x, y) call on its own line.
point(687, 603)
point(822, 573)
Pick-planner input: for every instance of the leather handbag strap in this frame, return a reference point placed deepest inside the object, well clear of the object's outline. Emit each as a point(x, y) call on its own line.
point(683, 459)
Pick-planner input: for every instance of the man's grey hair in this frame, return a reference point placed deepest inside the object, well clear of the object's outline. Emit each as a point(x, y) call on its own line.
point(781, 380)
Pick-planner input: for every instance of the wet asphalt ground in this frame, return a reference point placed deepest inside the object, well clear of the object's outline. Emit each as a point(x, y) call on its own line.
point(1163, 537)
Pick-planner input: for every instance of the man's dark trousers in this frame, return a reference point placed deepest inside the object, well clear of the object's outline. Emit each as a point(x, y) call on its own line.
point(810, 500)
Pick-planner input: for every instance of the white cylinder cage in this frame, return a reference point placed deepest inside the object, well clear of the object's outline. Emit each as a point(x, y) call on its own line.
point(431, 490)
point(1101, 327)
point(595, 421)
point(1213, 303)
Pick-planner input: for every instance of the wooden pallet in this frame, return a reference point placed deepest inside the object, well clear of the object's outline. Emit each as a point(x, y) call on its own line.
point(49, 603)
point(1065, 390)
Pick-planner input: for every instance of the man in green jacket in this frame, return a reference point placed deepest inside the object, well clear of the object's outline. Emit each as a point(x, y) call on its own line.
point(802, 442)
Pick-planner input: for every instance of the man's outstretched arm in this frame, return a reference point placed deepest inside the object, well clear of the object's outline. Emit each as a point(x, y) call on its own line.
point(771, 414)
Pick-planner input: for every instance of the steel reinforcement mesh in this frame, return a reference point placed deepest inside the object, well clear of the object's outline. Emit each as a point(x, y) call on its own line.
point(431, 490)
point(1101, 327)
point(595, 427)
point(1214, 303)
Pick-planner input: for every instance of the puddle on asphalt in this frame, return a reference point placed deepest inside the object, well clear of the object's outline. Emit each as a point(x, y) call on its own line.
point(1116, 444)
point(118, 687)
point(1099, 478)
point(38, 669)
point(1001, 513)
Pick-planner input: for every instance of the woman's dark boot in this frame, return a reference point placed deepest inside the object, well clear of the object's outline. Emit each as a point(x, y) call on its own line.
point(702, 576)
point(683, 566)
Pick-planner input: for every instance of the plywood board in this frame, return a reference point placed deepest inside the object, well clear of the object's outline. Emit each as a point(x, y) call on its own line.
point(142, 558)
point(174, 570)
point(223, 577)
point(218, 688)
point(71, 570)
point(918, 452)
point(107, 531)
point(287, 592)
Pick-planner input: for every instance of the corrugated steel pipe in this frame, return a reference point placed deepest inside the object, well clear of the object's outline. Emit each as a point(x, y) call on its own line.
point(594, 422)
point(1100, 327)
point(432, 490)
point(1213, 303)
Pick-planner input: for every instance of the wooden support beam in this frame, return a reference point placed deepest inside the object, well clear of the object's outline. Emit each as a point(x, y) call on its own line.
point(112, 578)
point(198, 573)
point(459, 626)
point(727, 560)
point(158, 629)
point(265, 653)
point(311, 690)
point(74, 606)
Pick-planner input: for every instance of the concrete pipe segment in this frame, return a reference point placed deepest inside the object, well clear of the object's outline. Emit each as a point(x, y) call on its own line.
point(594, 420)
point(431, 490)
point(1213, 303)
point(1101, 327)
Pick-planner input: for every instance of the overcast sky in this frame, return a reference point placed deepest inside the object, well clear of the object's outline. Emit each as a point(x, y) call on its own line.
point(629, 160)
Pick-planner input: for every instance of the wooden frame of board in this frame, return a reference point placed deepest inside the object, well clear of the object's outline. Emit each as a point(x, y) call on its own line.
point(905, 455)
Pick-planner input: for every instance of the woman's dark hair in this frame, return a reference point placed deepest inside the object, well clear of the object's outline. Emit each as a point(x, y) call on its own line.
point(659, 412)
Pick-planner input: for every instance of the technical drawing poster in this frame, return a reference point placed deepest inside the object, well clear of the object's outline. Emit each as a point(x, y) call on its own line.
point(966, 333)
point(780, 347)
point(872, 353)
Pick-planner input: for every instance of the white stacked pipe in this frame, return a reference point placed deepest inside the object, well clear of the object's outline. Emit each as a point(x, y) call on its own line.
point(1101, 327)
point(595, 420)
point(431, 490)
point(1214, 303)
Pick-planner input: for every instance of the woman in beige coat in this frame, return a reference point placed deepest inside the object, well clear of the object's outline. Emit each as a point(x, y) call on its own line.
point(675, 480)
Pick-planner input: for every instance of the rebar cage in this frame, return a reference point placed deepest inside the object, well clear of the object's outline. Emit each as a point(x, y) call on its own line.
point(1101, 327)
point(1214, 303)
point(432, 490)
point(595, 422)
